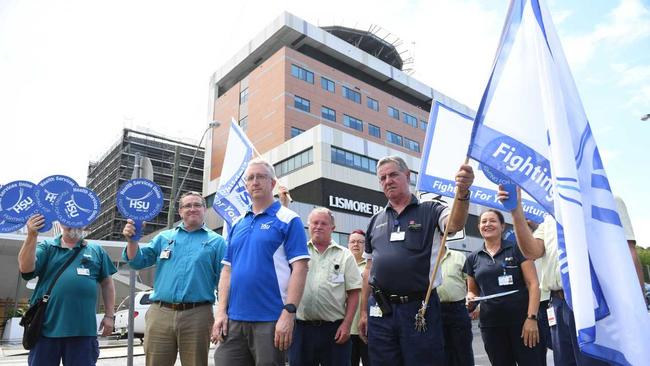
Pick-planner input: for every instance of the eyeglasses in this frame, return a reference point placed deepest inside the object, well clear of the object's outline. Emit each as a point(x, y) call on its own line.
point(187, 206)
point(259, 177)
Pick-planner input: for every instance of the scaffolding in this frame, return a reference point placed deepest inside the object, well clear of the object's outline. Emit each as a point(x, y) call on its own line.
point(107, 174)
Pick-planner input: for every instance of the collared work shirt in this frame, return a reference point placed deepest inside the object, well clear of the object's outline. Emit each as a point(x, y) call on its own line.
point(191, 271)
point(331, 275)
point(260, 250)
point(354, 329)
point(401, 267)
point(550, 279)
point(486, 270)
point(454, 280)
point(71, 308)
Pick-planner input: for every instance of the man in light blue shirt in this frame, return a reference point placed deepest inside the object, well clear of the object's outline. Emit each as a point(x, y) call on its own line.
point(188, 264)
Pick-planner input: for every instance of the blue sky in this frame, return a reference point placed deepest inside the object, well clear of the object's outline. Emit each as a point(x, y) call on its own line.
point(74, 72)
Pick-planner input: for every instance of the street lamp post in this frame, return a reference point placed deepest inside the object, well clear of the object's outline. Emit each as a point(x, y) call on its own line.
point(177, 192)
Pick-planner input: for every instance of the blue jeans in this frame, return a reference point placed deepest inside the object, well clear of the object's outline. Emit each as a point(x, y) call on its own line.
point(394, 341)
point(74, 351)
point(566, 351)
point(313, 345)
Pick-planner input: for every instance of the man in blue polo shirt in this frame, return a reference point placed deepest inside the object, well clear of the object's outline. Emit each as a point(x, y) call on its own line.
point(188, 263)
point(70, 328)
point(263, 277)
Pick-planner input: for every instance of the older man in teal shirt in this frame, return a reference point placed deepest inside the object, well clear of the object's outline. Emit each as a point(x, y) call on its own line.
point(69, 331)
point(188, 264)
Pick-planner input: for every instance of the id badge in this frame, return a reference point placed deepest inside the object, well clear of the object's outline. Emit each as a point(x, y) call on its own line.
point(337, 278)
point(550, 314)
point(83, 271)
point(375, 312)
point(505, 280)
point(165, 254)
point(397, 235)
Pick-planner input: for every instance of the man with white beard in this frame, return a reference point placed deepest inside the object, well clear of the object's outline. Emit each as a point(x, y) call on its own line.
point(69, 330)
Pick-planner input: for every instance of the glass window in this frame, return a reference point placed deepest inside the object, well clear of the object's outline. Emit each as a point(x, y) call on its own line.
point(327, 84)
point(410, 120)
point(413, 180)
point(423, 125)
point(393, 138)
point(301, 103)
point(393, 112)
point(373, 104)
point(352, 122)
point(295, 131)
point(302, 74)
point(374, 130)
point(243, 96)
point(243, 123)
point(328, 113)
point(353, 160)
point(293, 163)
point(411, 145)
point(351, 94)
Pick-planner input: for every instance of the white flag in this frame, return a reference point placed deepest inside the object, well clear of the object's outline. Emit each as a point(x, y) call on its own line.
point(531, 127)
point(231, 199)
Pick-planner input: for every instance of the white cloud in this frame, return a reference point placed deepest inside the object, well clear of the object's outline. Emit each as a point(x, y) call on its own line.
point(626, 24)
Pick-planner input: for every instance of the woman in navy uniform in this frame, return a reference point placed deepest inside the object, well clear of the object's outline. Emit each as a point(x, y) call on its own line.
point(508, 323)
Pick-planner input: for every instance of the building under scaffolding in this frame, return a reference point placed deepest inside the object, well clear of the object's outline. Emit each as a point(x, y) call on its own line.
point(170, 160)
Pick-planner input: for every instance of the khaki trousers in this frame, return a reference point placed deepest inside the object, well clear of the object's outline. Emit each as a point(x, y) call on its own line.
point(168, 332)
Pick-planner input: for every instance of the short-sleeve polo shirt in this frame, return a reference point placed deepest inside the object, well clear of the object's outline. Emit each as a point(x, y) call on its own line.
point(485, 269)
point(331, 275)
point(260, 250)
point(403, 267)
point(73, 300)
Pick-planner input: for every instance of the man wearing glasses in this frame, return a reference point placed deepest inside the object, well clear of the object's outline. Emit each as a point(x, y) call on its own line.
point(263, 277)
point(188, 265)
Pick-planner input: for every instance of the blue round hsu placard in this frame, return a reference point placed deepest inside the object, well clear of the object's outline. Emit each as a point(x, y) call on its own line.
point(10, 227)
point(17, 201)
point(77, 207)
point(46, 192)
point(497, 177)
point(139, 200)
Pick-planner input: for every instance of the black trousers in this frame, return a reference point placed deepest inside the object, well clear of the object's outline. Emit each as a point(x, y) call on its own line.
point(457, 330)
point(505, 347)
point(359, 351)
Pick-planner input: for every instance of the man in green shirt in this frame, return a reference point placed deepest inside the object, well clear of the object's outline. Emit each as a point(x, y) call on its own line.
point(456, 323)
point(70, 327)
point(330, 299)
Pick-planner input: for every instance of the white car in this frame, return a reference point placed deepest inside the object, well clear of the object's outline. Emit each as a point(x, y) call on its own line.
point(142, 304)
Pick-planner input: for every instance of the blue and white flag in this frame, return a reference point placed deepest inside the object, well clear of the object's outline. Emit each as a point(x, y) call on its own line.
point(231, 199)
point(531, 127)
point(448, 134)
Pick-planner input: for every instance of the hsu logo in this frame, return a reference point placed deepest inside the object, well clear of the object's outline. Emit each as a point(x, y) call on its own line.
point(23, 205)
point(51, 197)
point(71, 208)
point(139, 205)
point(266, 225)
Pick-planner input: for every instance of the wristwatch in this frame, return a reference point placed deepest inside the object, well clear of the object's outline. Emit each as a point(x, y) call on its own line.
point(532, 317)
point(290, 308)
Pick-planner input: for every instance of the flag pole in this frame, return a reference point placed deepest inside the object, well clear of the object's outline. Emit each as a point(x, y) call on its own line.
point(420, 322)
point(259, 156)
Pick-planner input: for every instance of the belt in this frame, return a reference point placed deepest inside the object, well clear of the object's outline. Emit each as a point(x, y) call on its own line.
point(182, 306)
point(318, 323)
point(459, 302)
point(558, 294)
point(404, 299)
